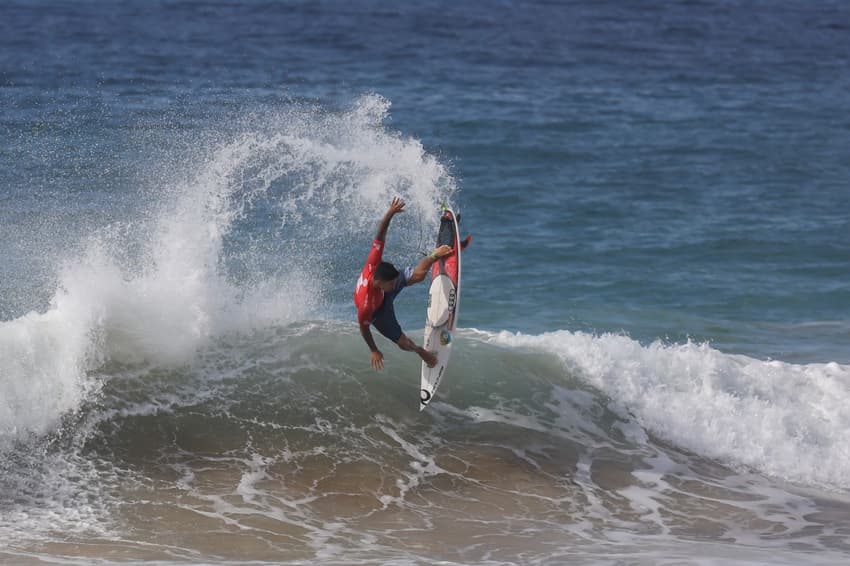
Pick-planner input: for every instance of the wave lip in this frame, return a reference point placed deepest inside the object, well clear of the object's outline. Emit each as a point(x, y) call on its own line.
point(316, 172)
point(785, 420)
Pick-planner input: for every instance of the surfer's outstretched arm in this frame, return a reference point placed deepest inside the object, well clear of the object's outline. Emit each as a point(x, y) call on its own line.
point(421, 269)
point(377, 356)
point(395, 207)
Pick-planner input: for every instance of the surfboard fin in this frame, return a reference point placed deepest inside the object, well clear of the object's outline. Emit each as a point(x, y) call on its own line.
point(465, 242)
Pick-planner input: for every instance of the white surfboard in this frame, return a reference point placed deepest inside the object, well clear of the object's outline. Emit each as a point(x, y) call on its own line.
point(443, 307)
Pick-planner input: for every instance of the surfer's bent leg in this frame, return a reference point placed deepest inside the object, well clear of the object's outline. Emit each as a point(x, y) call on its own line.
point(409, 345)
point(387, 324)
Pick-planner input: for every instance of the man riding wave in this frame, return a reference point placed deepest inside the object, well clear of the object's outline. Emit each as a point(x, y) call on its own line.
point(379, 284)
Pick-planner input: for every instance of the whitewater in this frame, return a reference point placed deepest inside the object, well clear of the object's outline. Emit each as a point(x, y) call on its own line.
point(174, 296)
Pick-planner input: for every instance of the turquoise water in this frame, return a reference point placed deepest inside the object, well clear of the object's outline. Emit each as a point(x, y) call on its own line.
point(655, 305)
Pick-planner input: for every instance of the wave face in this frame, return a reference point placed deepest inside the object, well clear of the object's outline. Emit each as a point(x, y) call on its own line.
point(282, 442)
point(784, 420)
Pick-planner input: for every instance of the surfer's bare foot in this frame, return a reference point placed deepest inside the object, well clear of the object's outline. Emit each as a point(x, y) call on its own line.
point(429, 358)
point(405, 343)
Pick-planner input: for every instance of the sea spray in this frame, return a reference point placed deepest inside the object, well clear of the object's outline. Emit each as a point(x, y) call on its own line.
point(319, 172)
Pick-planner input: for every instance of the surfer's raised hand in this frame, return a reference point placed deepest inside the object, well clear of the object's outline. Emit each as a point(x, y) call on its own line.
point(396, 206)
point(377, 360)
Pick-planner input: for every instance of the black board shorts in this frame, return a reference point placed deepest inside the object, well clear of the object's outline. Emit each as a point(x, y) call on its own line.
point(385, 320)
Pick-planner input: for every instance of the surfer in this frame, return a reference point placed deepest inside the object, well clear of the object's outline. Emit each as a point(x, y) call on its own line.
point(379, 284)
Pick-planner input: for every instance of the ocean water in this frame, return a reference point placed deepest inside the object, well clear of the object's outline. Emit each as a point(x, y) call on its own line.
point(652, 365)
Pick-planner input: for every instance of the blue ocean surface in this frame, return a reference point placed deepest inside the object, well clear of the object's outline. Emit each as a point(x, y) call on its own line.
point(652, 365)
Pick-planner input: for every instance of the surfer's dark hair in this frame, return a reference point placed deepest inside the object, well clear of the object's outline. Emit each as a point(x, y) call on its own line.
point(386, 271)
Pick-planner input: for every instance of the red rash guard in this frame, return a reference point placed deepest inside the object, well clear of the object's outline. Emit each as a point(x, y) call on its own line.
point(366, 298)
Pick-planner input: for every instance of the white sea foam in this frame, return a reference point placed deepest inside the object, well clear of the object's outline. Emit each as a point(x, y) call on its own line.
point(176, 294)
point(785, 420)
